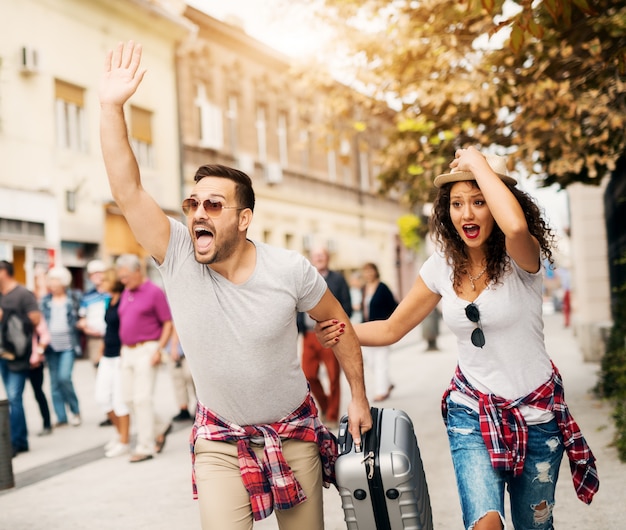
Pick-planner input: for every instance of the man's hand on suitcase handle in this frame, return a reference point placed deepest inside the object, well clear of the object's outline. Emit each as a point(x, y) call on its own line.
point(359, 420)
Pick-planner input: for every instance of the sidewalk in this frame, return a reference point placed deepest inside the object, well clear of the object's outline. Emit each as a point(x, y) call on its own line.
point(65, 483)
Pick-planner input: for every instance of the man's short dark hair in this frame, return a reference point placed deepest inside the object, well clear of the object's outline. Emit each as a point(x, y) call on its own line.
point(243, 184)
point(7, 266)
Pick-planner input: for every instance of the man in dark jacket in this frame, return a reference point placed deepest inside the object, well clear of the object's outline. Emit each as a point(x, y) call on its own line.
point(313, 354)
point(16, 298)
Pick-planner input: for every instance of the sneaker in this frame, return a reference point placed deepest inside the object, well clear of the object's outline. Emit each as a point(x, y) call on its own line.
point(183, 415)
point(60, 424)
point(119, 449)
point(105, 423)
point(75, 420)
point(18, 450)
point(45, 431)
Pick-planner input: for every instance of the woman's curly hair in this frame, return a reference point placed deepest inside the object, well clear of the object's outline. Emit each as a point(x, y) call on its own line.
point(447, 238)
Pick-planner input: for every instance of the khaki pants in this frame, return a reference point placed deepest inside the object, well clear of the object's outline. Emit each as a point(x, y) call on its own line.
point(184, 389)
point(93, 345)
point(224, 501)
point(138, 382)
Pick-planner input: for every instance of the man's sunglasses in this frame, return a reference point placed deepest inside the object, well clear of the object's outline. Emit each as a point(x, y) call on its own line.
point(212, 207)
point(472, 313)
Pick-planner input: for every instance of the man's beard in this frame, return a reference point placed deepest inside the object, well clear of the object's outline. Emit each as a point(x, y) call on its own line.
point(219, 253)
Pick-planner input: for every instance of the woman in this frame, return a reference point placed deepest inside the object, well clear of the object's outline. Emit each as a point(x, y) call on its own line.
point(60, 309)
point(507, 421)
point(41, 339)
point(377, 304)
point(108, 391)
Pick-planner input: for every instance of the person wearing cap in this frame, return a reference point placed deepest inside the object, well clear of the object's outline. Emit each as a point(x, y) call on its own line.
point(93, 306)
point(507, 421)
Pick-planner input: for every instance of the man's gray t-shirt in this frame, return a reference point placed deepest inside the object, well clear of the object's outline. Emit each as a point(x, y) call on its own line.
point(241, 340)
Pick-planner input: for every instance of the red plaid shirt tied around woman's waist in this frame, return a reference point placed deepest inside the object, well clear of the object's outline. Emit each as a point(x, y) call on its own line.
point(271, 482)
point(505, 432)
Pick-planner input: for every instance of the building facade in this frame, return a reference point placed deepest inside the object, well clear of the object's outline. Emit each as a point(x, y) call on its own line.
point(591, 308)
point(315, 181)
point(55, 204)
point(212, 94)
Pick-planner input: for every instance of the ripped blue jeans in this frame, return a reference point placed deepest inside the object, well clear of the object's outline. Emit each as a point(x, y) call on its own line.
point(481, 488)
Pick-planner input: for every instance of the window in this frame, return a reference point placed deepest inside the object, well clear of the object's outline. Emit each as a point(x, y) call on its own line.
point(141, 135)
point(231, 117)
point(18, 227)
point(305, 146)
point(364, 170)
point(289, 241)
point(70, 116)
point(211, 131)
point(261, 133)
point(282, 133)
point(331, 160)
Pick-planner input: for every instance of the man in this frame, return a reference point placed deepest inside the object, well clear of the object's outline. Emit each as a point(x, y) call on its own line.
point(15, 297)
point(93, 306)
point(145, 329)
point(234, 303)
point(313, 354)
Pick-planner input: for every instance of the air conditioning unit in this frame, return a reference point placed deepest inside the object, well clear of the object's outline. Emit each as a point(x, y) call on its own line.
point(245, 163)
point(29, 60)
point(273, 173)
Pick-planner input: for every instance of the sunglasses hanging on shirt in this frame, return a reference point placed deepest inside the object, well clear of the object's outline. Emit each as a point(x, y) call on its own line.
point(472, 313)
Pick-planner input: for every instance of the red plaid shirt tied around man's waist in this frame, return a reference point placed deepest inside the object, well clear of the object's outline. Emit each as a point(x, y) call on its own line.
point(271, 482)
point(505, 432)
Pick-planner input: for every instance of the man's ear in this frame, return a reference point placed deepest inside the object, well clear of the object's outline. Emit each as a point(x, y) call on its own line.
point(245, 218)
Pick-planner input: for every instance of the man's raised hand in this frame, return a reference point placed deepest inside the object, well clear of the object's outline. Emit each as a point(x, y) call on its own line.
point(122, 74)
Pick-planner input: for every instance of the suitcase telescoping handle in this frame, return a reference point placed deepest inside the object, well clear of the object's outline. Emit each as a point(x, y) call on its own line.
point(346, 441)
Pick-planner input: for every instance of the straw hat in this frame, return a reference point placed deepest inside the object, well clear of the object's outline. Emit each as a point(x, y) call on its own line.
point(497, 163)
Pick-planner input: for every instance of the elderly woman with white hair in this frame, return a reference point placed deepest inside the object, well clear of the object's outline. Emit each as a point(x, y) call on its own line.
point(60, 309)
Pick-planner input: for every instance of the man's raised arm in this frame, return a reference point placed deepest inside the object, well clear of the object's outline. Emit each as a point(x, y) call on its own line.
point(122, 75)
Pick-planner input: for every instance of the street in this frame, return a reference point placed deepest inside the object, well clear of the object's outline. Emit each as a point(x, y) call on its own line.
point(65, 483)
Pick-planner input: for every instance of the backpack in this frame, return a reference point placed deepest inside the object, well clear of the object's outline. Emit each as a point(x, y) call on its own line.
point(16, 336)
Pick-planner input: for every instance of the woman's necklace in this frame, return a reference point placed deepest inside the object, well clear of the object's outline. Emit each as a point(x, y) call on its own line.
point(472, 279)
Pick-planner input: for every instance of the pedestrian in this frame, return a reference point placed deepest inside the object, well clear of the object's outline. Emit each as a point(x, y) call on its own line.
point(93, 305)
point(507, 420)
point(14, 370)
point(184, 388)
point(108, 388)
point(235, 302)
point(60, 309)
point(313, 353)
point(145, 328)
point(41, 340)
point(378, 304)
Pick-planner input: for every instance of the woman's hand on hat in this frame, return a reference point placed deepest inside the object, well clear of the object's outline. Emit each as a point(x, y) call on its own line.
point(467, 159)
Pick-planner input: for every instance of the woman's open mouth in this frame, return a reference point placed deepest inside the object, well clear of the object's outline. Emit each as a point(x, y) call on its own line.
point(471, 231)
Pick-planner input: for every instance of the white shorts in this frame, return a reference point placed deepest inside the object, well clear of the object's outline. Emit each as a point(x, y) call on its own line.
point(108, 392)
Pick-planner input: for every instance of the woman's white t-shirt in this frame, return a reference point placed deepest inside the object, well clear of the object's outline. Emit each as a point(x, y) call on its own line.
point(514, 361)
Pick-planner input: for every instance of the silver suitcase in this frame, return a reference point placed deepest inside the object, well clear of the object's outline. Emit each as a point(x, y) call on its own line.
point(383, 486)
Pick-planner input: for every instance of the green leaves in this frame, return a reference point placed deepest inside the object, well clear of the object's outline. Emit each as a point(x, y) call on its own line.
point(548, 87)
